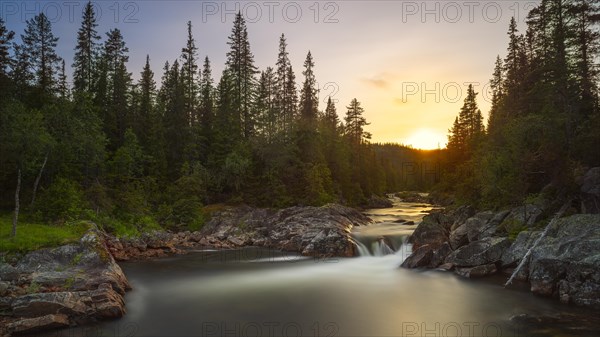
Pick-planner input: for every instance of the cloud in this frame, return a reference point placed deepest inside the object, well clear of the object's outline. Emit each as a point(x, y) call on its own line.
point(380, 81)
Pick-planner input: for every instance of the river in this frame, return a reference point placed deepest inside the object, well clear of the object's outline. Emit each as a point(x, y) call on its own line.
point(258, 292)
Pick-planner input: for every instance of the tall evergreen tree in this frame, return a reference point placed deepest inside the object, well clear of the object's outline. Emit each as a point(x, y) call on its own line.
point(63, 85)
point(355, 123)
point(114, 88)
point(240, 62)
point(6, 36)
point(265, 105)
point(39, 44)
point(207, 109)
point(86, 51)
point(189, 70)
point(144, 120)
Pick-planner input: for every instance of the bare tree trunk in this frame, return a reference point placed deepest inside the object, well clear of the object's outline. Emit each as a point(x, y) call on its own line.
point(38, 178)
point(17, 205)
point(526, 256)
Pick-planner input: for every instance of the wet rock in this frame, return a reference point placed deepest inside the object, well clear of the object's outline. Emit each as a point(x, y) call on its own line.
point(312, 231)
point(483, 225)
point(433, 230)
point(566, 263)
point(420, 258)
point(446, 267)
point(478, 271)
point(482, 252)
point(37, 324)
point(519, 247)
point(379, 202)
point(41, 304)
point(439, 255)
point(460, 215)
point(459, 237)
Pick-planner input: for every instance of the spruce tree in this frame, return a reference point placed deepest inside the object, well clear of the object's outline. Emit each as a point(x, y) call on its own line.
point(39, 44)
point(240, 64)
point(189, 69)
point(86, 52)
point(6, 36)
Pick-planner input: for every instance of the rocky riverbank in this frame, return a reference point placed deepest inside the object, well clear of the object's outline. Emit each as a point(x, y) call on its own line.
point(564, 265)
point(81, 283)
point(69, 285)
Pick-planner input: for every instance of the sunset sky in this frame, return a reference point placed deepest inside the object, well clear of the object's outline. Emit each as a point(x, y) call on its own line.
point(408, 62)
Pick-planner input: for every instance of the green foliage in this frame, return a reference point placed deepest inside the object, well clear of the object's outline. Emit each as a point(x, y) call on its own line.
point(62, 201)
point(32, 236)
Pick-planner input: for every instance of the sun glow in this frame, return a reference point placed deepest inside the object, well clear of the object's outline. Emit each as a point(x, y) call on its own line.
point(426, 139)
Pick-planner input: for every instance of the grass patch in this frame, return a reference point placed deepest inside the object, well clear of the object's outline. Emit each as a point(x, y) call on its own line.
point(32, 236)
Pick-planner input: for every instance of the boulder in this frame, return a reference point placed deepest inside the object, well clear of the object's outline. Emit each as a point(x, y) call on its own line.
point(439, 255)
point(461, 214)
point(566, 263)
point(37, 324)
point(484, 225)
point(379, 202)
point(526, 215)
point(433, 230)
point(312, 231)
point(421, 257)
point(459, 237)
point(41, 304)
point(482, 252)
point(590, 191)
point(513, 255)
point(478, 271)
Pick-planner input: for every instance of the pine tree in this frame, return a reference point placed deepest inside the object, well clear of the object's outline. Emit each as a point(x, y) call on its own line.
point(40, 44)
point(265, 105)
point(467, 129)
point(355, 123)
point(6, 36)
point(114, 88)
point(285, 91)
point(330, 118)
point(240, 63)
point(308, 97)
point(63, 86)
point(144, 117)
point(86, 52)
point(496, 84)
point(189, 69)
point(207, 110)
point(586, 45)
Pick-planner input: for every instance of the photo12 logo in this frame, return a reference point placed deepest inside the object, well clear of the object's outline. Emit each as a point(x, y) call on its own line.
point(272, 11)
point(56, 11)
point(461, 11)
point(448, 92)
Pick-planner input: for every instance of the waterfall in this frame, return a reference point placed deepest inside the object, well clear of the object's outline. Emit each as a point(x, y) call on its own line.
point(379, 247)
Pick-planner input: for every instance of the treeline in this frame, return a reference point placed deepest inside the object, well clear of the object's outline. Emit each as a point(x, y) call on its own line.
point(543, 130)
point(143, 153)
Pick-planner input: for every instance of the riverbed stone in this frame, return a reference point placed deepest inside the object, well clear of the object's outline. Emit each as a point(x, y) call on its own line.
point(433, 230)
point(478, 271)
point(459, 237)
point(566, 263)
point(421, 257)
point(482, 252)
point(37, 324)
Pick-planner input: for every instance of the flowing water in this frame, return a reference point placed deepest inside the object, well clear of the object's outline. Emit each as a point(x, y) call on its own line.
point(258, 292)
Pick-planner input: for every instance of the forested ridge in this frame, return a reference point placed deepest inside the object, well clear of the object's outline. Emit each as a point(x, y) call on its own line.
point(135, 155)
point(543, 131)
